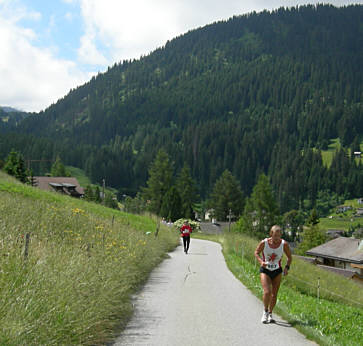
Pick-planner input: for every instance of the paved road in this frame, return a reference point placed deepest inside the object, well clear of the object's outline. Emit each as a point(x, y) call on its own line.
point(195, 300)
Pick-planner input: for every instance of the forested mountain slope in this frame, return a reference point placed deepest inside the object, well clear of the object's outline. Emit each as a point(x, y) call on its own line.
point(257, 93)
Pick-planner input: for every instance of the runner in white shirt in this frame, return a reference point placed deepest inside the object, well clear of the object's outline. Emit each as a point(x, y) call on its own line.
point(270, 271)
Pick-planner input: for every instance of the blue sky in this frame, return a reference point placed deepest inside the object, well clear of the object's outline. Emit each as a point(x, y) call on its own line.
point(51, 46)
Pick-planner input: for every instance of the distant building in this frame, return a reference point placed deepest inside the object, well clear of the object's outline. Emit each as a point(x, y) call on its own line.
point(66, 185)
point(341, 253)
point(334, 233)
point(343, 208)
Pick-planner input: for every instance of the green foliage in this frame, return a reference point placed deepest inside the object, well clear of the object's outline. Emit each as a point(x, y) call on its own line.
point(136, 205)
point(58, 169)
point(187, 190)
point(15, 166)
point(110, 201)
point(159, 182)
point(313, 219)
point(311, 237)
point(226, 196)
point(261, 211)
point(293, 221)
point(171, 208)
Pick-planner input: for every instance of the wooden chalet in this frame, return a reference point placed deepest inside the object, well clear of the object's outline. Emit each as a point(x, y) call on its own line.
point(341, 254)
point(66, 185)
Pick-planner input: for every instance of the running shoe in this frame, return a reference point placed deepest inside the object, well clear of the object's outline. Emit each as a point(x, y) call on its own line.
point(265, 316)
point(270, 319)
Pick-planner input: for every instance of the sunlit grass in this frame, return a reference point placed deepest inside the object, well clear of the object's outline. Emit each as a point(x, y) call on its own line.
point(83, 263)
point(336, 318)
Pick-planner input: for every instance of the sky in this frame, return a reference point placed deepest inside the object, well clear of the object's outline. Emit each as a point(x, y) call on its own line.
point(49, 47)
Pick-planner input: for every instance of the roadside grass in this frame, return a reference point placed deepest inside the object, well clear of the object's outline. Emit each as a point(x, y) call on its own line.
point(84, 261)
point(336, 318)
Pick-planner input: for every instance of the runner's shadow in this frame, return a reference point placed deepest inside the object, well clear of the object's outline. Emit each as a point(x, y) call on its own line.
point(283, 324)
point(290, 325)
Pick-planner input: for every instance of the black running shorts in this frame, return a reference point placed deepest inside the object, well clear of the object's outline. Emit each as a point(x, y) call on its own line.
point(271, 273)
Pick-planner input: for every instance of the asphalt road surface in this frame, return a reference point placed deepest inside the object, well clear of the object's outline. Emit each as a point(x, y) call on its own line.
point(194, 299)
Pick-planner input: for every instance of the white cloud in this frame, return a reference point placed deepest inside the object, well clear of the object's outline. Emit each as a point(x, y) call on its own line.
point(31, 78)
point(129, 29)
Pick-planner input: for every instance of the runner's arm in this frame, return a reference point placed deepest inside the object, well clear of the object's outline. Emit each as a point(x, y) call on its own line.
point(258, 250)
point(289, 257)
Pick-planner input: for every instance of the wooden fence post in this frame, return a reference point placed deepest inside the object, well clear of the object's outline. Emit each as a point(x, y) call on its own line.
point(157, 228)
point(26, 249)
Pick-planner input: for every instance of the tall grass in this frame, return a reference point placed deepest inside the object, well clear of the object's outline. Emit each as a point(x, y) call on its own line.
point(335, 318)
point(83, 263)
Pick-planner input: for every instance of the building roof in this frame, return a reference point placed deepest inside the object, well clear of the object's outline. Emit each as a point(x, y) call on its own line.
point(56, 183)
point(343, 249)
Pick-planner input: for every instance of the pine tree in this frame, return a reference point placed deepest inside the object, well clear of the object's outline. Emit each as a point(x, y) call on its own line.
point(159, 182)
point(187, 191)
point(58, 169)
point(261, 211)
point(226, 197)
point(171, 208)
point(15, 166)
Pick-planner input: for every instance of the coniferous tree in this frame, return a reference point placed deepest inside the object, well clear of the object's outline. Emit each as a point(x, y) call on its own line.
point(226, 197)
point(159, 182)
point(187, 191)
point(15, 166)
point(58, 169)
point(171, 208)
point(261, 211)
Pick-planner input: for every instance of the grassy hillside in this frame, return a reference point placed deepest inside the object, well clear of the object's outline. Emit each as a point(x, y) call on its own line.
point(72, 283)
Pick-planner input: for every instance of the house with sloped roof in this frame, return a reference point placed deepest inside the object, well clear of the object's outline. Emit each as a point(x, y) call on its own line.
point(65, 185)
point(341, 253)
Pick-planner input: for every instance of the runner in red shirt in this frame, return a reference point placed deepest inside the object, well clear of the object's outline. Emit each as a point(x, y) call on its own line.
point(185, 231)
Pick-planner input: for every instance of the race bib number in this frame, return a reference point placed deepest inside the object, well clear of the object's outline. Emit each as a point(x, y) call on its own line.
point(185, 231)
point(272, 266)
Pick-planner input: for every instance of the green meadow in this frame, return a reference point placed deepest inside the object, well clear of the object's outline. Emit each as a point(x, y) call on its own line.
point(68, 267)
point(327, 155)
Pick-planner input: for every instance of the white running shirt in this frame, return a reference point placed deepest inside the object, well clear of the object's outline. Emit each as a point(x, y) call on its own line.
point(273, 256)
